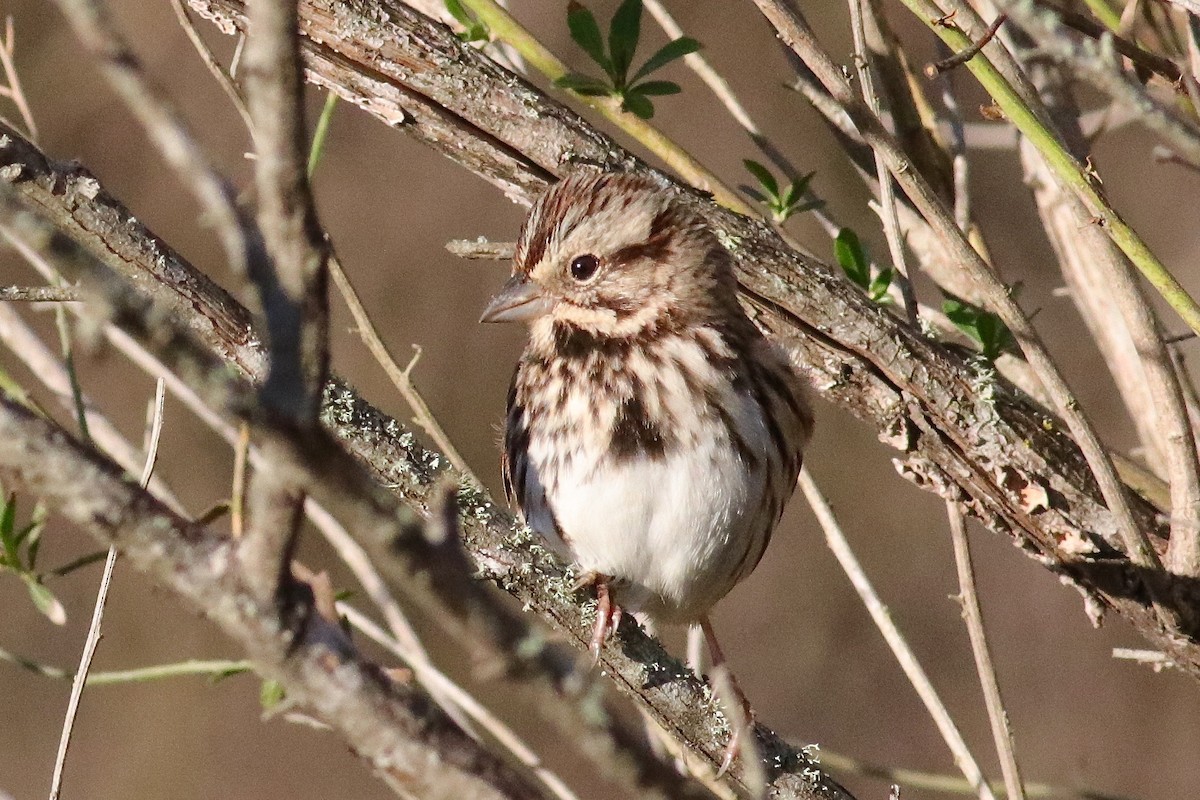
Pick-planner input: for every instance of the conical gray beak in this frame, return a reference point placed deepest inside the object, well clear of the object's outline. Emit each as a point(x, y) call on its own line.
point(519, 300)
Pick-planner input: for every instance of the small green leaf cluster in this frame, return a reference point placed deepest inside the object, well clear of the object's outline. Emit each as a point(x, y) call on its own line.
point(18, 554)
point(984, 327)
point(473, 29)
point(853, 259)
point(624, 30)
point(782, 203)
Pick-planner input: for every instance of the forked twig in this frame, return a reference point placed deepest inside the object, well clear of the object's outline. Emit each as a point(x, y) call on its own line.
point(400, 377)
point(907, 660)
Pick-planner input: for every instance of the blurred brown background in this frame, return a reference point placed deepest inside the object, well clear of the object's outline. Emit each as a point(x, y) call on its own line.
point(806, 653)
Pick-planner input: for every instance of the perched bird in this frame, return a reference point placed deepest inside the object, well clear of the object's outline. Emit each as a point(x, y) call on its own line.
point(653, 434)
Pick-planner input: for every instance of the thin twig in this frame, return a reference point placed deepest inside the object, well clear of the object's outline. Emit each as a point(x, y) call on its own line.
point(68, 358)
point(1002, 733)
point(93, 634)
point(1155, 658)
point(949, 784)
point(317, 148)
point(891, 634)
point(1096, 63)
point(21, 339)
point(14, 90)
point(967, 53)
point(214, 668)
point(960, 165)
point(887, 190)
point(210, 61)
point(401, 378)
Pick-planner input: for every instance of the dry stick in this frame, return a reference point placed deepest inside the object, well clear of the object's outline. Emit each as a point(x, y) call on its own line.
point(1139, 359)
point(351, 553)
point(14, 90)
point(40, 294)
point(965, 55)
point(93, 634)
point(887, 191)
point(238, 437)
point(969, 598)
point(795, 32)
point(400, 378)
point(94, 28)
point(291, 278)
point(292, 281)
point(958, 153)
point(837, 542)
point(210, 61)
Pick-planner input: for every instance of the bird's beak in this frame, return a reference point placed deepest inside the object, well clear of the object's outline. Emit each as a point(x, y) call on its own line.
point(519, 300)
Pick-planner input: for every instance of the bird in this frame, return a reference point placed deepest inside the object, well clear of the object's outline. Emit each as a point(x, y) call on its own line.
point(653, 434)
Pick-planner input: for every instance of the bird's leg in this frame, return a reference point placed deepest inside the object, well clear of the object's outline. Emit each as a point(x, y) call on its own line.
point(723, 682)
point(608, 613)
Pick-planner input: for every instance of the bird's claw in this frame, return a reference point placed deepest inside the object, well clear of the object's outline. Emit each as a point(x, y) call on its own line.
point(608, 613)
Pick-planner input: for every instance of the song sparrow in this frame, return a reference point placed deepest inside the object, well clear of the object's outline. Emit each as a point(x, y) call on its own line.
point(653, 434)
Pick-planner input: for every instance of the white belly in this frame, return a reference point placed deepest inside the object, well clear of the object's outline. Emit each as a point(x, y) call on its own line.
point(674, 532)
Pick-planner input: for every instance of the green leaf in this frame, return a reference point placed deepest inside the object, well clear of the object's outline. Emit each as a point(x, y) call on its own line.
point(638, 104)
point(880, 285)
point(271, 694)
point(584, 84)
point(668, 53)
point(623, 33)
point(8, 521)
point(586, 33)
point(652, 88)
point(45, 600)
point(984, 327)
point(763, 176)
point(853, 259)
point(31, 534)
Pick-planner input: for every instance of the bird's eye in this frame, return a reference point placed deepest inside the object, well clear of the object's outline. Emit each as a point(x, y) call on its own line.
point(584, 267)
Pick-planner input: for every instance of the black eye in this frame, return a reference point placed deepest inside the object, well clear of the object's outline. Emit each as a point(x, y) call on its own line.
point(584, 267)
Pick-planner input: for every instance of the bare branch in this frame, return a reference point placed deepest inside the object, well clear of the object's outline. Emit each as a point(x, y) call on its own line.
point(409, 743)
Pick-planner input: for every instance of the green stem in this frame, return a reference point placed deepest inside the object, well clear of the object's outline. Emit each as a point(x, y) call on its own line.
point(1106, 14)
point(64, 337)
point(319, 135)
point(1064, 165)
point(139, 675)
point(503, 26)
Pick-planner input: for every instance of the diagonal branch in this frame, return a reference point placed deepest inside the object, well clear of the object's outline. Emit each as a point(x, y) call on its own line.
point(414, 747)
